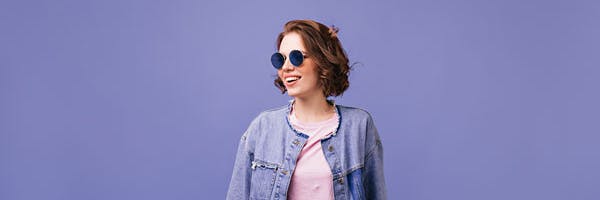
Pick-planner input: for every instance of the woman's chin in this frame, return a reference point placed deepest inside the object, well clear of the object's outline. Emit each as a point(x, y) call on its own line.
point(292, 93)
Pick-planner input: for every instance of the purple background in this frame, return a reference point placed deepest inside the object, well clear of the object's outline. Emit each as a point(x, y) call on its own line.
point(147, 100)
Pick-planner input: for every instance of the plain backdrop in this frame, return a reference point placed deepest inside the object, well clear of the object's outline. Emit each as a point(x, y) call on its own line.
point(147, 100)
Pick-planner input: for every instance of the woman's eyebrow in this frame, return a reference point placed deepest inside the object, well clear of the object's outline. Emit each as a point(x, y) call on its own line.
point(281, 52)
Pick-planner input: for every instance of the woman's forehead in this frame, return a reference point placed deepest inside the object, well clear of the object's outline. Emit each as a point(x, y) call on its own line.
point(291, 41)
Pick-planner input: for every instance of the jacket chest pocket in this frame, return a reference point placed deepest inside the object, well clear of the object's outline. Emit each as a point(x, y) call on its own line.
point(263, 179)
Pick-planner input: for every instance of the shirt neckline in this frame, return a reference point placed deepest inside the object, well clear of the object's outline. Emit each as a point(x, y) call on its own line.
point(312, 125)
point(337, 111)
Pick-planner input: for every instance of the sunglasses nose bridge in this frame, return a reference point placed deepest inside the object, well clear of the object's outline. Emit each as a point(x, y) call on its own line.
point(287, 65)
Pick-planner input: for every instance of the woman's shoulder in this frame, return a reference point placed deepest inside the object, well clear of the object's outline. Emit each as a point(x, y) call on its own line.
point(350, 112)
point(346, 112)
point(275, 110)
point(268, 116)
point(272, 112)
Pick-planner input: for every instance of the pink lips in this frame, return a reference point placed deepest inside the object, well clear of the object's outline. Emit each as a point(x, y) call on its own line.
point(290, 80)
point(289, 84)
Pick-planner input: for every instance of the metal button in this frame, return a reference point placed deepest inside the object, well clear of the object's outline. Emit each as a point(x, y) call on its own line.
point(341, 180)
point(284, 172)
point(330, 148)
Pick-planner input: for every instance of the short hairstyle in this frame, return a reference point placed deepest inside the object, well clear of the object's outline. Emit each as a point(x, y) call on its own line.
point(326, 49)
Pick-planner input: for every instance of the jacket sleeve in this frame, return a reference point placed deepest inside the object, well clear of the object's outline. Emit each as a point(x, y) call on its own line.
point(374, 180)
point(239, 186)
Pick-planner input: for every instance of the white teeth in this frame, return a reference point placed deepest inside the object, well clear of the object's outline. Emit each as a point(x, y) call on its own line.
point(290, 79)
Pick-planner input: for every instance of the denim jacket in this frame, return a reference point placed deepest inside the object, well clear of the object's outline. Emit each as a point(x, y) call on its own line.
point(267, 152)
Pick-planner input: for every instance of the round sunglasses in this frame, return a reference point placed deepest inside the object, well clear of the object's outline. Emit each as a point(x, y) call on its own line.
point(296, 58)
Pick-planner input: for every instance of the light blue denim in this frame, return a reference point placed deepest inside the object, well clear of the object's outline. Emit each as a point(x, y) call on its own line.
point(267, 152)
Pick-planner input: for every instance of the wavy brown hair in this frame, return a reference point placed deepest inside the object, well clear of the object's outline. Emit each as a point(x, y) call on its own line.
point(326, 49)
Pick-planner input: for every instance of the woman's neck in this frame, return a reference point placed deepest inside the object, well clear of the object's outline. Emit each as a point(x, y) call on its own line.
point(312, 109)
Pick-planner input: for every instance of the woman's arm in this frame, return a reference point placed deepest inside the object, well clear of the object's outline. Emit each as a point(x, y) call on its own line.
point(239, 187)
point(373, 180)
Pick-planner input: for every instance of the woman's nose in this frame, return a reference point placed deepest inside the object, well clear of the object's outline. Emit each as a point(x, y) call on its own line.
point(287, 65)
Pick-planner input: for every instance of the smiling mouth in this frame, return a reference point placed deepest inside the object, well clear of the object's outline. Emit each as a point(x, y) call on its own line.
point(292, 79)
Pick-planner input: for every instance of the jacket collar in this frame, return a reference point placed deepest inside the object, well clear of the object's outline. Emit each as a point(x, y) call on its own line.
point(336, 110)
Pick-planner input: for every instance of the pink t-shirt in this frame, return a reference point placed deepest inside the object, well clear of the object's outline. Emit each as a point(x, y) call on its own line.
point(312, 178)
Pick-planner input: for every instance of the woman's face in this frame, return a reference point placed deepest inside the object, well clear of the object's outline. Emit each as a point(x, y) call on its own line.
point(299, 81)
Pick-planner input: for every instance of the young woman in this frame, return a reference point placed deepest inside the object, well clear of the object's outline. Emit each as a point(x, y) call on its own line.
point(310, 148)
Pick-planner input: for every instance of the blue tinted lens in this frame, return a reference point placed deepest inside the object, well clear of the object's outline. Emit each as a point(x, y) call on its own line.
point(296, 58)
point(277, 60)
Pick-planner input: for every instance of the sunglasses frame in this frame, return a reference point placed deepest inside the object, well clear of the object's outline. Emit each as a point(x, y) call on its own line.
point(296, 57)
